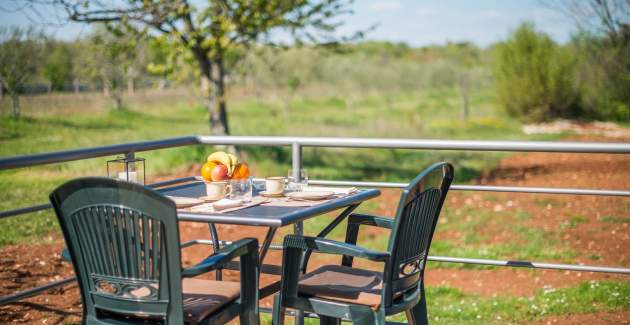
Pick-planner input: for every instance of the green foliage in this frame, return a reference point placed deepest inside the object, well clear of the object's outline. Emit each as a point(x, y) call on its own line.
point(58, 67)
point(366, 67)
point(604, 77)
point(20, 51)
point(534, 77)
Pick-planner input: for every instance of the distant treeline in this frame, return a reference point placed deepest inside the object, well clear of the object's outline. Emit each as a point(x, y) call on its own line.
point(534, 77)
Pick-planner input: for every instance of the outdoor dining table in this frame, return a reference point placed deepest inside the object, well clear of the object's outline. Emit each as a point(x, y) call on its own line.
point(271, 217)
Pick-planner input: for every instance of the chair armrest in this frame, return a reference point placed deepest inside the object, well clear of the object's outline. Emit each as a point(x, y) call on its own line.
point(333, 247)
point(236, 249)
point(352, 232)
point(366, 219)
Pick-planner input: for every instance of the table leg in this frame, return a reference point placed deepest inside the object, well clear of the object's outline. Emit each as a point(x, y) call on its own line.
point(266, 243)
point(216, 246)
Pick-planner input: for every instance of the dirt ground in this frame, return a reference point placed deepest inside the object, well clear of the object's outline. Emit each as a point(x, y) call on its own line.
point(26, 266)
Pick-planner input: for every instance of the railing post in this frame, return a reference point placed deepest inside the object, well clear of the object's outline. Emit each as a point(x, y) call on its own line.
point(296, 165)
point(298, 227)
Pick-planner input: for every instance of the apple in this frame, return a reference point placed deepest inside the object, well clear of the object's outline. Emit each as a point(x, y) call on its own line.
point(219, 173)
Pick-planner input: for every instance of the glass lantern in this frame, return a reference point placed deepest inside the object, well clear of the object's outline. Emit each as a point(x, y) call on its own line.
point(127, 169)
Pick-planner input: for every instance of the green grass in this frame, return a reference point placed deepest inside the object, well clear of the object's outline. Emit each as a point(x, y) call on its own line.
point(614, 219)
point(479, 224)
point(573, 221)
point(451, 306)
point(428, 114)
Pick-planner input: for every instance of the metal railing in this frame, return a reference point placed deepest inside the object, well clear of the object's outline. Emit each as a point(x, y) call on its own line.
point(298, 143)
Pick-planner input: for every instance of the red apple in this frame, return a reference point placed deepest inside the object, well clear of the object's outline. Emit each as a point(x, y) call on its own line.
point(219, 173)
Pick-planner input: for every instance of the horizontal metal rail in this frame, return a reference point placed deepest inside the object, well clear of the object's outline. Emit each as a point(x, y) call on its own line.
point(485, 188)
point(45, 206)
point(462, 145)
point(30, 209)
point(465, 260)
point(531, 265)
point(461, 260)
point(34, 291)
point(94, 152)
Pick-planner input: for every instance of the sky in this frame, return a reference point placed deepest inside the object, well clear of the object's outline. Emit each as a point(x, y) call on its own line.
point(415, 22)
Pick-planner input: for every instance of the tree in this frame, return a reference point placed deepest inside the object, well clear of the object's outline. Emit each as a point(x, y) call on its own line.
point(213, 29)
point(20, 53)
point(603, 48)
point(58, 67)
point(607, 17)
point(161, 59)
point(535, 77)
point(109, 59)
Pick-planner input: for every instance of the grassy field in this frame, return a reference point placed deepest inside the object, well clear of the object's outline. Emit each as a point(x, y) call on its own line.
point(81, 123)
point(58, 122)
point(451, 306)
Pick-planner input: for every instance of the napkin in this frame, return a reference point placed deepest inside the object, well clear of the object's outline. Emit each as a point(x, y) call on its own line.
point(226, 204)
point(284, 202)
point(336, 190)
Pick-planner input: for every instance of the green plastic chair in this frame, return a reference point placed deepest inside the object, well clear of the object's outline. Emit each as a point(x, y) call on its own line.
point(123, 241)
point(336, 292)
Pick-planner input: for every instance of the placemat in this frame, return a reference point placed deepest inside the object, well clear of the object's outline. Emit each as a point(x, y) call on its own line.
point(209, 208)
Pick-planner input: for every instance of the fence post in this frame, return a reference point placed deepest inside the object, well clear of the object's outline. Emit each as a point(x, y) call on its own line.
point(298, 227)
point(296, 165)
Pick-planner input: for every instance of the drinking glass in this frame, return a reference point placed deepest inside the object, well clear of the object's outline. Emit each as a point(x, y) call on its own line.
point(241, 189)
point(297, 185)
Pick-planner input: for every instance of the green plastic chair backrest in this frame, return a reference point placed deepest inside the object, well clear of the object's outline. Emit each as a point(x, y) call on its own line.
point(124, 242)
point(416, 218)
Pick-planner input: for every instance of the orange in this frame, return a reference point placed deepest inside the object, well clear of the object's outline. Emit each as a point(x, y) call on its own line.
point(206, 170)
point(241, 171)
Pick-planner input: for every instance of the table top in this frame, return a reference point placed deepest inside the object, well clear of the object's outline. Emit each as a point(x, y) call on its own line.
point(270, 216)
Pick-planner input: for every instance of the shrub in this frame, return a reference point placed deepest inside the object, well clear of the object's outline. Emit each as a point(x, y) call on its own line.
point(534, 77)
point(604, 77)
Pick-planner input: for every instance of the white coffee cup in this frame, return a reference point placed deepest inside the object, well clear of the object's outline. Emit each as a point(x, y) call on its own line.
point(217, 190)
point(274, 185)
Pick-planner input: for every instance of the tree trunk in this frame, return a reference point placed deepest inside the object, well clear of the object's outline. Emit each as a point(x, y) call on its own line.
point(116, 96)
point(162, 84)
point(76, 85)
point(213, 86)
point(15, 103)
point(216, 101)
point(464, 88)
point(130, 86)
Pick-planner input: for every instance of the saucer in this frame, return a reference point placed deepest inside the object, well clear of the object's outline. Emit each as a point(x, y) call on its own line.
point(265, 194)
point(311, 195)
point(184, 202)
point(209, 199)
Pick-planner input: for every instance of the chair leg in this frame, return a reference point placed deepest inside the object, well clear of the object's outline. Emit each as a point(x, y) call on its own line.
point(278, 311)
point(325, 320)
point(418, 314)
point(249, 318)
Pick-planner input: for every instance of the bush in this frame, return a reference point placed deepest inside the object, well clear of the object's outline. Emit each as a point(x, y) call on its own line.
point(604, 77)
point(534, 77)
